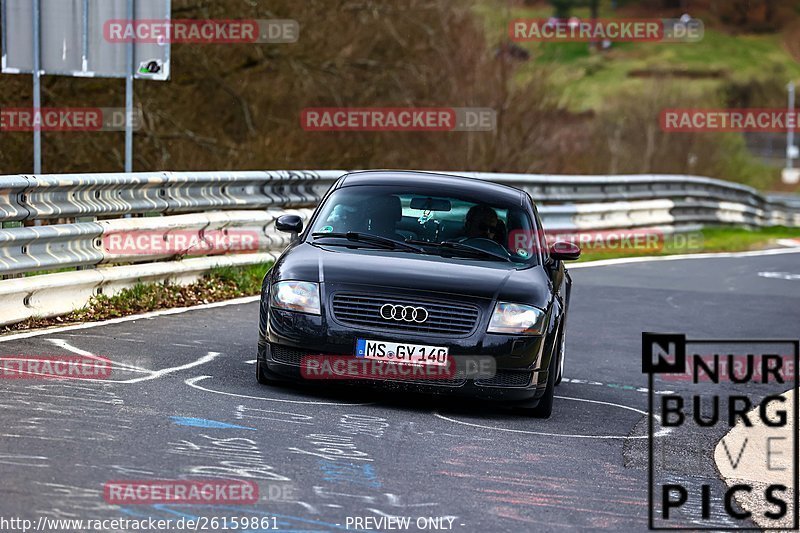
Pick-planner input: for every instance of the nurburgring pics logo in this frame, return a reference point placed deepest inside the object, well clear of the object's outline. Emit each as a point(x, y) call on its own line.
point(67, 119)
point(734, 368)
point(208, 31)
point(615, 30)
point(734, 387)
point(398, 119)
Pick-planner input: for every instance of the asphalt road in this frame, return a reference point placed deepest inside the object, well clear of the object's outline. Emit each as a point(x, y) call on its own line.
point(321, 456)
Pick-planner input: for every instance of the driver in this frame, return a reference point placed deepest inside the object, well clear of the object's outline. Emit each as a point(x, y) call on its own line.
point(481, 222)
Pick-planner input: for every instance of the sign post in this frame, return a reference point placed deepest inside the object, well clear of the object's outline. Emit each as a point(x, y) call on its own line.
point(37, 82)
point(68, 38)
point(790, 174)
point(129, 54)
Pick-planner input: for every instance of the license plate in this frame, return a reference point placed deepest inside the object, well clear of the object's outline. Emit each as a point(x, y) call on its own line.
point(415, 354)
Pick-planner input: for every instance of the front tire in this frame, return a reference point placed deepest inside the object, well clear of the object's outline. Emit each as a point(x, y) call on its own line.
point(545, 406)
point(561, 353)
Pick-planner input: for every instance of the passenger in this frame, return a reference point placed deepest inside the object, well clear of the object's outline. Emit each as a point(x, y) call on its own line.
point(382, 215)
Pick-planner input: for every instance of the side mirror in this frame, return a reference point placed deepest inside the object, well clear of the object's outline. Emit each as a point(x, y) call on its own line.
point(289, 223)
point(565, 251)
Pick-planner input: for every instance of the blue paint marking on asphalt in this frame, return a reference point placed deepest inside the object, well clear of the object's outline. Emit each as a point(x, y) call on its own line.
point(349, 473)
point(203, 423)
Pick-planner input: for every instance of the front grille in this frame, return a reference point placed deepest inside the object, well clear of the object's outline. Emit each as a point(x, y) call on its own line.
point(506, 378)
point(290, 356)
point(444, 318)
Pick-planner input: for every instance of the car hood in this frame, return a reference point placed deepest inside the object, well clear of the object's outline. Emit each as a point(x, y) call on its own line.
point(430, 273)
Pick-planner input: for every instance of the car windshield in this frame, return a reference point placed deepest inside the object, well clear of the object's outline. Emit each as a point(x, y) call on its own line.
point(468, 226)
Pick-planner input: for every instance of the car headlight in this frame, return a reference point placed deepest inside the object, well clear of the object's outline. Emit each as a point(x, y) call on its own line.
point(302, 296)
point(516, 319)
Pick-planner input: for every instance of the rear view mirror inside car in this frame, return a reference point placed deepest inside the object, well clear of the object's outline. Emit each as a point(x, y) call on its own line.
point(430, 204)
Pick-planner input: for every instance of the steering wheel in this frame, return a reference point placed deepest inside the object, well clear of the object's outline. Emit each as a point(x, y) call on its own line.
point(484, 244)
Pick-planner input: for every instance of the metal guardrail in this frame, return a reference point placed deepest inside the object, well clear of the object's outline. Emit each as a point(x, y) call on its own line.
point(88, 244)
point(48, 247)
point(85, 215)
point(578, 189)
point(792, 200)
point(103, 195)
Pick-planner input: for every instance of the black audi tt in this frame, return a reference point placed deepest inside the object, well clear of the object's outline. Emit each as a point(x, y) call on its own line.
point(420, 281)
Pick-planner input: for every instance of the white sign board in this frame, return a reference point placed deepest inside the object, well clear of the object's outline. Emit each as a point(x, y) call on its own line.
point(74, 40)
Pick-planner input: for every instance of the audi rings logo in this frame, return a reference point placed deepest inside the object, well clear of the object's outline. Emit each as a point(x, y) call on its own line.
point(404, 313)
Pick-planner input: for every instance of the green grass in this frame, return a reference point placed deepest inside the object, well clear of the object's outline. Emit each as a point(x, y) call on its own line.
point(733, 240)
point(585, 80)
point(217, 285)
point(712, 239)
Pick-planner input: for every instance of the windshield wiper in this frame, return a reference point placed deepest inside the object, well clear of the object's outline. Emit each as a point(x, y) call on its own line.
point(461, 247)
point(369, 238)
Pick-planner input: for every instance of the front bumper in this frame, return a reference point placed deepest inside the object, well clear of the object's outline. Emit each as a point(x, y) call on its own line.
point(521, 361)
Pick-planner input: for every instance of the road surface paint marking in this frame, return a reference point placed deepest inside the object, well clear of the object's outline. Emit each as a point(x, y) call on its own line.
point(779, 275)
point(660, 433)
point(152, 374)
point(714, 255)
point(67, 346)
point(131, 318)
point(210, 356)
point(61, 385)
point(192, 382)
point(250, 362)
point(643, 390)
point(24, 460)
point(752, 470)
point(203, 423)
point(272, 414)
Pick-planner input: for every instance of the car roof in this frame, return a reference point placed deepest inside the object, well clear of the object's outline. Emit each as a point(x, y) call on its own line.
point(448, 182)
